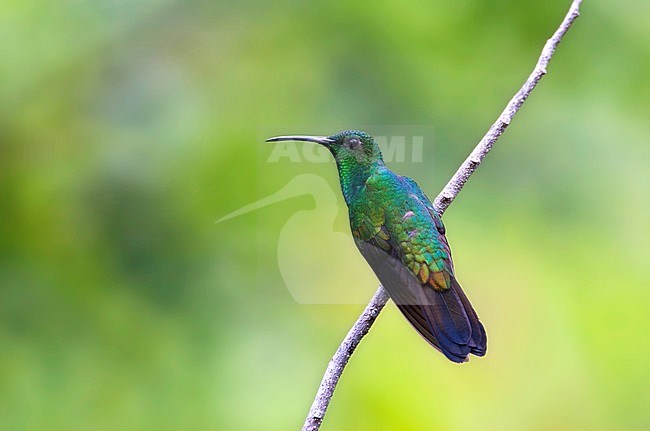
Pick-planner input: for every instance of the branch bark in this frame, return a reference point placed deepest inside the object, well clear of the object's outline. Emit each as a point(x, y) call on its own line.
point(441, 203)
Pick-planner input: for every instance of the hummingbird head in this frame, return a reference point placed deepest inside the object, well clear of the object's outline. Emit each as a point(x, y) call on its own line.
point(356, 153)
point(350, 147)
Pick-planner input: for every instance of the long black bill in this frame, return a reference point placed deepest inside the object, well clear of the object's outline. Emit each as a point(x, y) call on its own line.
point(323, 140)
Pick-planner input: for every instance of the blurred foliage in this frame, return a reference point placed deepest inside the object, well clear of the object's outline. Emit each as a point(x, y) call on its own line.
point(127, 128)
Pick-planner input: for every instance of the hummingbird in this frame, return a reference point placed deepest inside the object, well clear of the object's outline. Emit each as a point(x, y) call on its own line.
point(402, 237)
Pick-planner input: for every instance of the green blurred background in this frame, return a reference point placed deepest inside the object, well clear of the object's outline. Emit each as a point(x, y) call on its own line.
point(128, 128)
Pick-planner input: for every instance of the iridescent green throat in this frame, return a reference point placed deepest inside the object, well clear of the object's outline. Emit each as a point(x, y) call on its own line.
point(353, 175)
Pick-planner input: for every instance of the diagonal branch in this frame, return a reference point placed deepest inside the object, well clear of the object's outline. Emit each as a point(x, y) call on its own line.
point(443, 200)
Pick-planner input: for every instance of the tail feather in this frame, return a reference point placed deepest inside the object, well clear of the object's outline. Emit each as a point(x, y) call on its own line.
point(413, 314)
point(446, 320)
point(478, 340)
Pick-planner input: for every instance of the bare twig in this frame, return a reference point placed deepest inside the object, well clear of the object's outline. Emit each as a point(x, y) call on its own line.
point(468, 167)
point(341, 357)
point(441, 203)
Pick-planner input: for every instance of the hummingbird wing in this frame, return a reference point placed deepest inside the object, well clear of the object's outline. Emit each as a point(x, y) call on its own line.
point(405, 246)
point(478, 342)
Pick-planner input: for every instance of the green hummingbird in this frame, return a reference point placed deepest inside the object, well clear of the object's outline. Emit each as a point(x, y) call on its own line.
point(402, 237)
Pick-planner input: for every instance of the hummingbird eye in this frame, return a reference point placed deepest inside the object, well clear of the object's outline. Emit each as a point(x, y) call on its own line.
point(354, 143)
